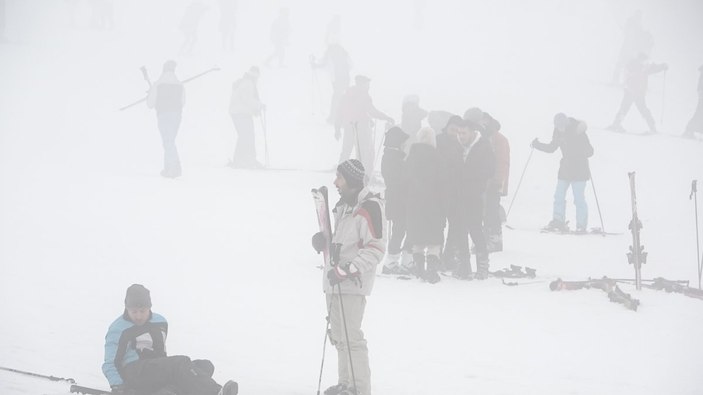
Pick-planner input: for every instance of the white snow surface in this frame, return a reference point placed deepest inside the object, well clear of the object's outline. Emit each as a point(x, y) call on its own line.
point(226, 253)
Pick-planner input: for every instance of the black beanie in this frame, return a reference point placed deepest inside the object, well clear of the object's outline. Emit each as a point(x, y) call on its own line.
point(137, 296)
point(353, 172)
point(395, 137)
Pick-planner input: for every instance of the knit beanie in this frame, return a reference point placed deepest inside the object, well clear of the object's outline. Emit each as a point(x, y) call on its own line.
point(137, 296)
point(353, 172)
point(395, 137)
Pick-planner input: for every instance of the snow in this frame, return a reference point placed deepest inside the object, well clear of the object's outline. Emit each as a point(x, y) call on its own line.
point(226, 253)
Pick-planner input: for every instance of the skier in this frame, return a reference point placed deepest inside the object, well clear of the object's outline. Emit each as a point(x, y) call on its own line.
point(243, 106)
point(136, 360)
point(395, 179)
point(569, 136)
point(336, 56)
point(451, 163)
point(497, 185)
point(167, 96)
point(637, 78)
point(636, 40)
point(355, 117)
point(478, 166)
point(228, 23)
point(358, 245)
point(695, 125)
point(280, 30)
point(189, 25)
point(425, 212)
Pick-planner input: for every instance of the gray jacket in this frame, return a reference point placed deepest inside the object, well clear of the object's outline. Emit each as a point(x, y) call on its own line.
point(359, 230)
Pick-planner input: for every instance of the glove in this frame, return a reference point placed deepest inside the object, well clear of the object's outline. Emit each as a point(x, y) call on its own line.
point(340, 273)
point(319, 242)
point(119, 389)
point(534, 142)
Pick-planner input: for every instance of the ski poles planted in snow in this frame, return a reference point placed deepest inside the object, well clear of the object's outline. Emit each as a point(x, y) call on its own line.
point(699, 259)
point(532, 150)
point(600, 215)
point(266, 143)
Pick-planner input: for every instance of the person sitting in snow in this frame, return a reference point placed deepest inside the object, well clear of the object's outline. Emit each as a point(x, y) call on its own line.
point(569, 136)
point(135, 356)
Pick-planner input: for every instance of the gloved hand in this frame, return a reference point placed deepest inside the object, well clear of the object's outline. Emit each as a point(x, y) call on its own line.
point(119, 389)
point(319, 242)
point(340, 273)
point(534, 142)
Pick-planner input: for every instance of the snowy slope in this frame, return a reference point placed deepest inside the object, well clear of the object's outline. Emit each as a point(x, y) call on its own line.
point(226, 253)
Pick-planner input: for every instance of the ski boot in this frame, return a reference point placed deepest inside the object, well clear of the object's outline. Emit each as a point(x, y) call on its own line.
point(616, 127)
point(556, 226)
point(481, 266)
point(339, 389)
point(390, 264)
point(463, 269)
point(431, 275)
point(419, 263)
point(448, 261)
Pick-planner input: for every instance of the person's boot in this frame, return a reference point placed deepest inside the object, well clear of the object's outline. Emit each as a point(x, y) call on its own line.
point(431, 274)
point(556, 225)
point(391, 264)
point(448, 261)
point(337, 389)
point(406, 263)
point(419, 263)
point(463, 268)
point(481, 266)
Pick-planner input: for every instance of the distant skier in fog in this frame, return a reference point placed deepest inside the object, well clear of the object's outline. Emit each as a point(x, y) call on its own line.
point(228, 23)
point(190, 24)
point(412, 116)
point(636, 40)
point(635, 91)
point(355, 117)
point(497, 185)
point(333, 34)
point(336, 56)
point(280, 32)
point(570, 136)
point(695, 125)
point(393, 169)
point(243, 106)
point(426, 215)
point(167, 96)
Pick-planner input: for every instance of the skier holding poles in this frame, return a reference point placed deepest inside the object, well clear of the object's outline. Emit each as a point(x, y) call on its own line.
point(356, 248)
point(243, 106)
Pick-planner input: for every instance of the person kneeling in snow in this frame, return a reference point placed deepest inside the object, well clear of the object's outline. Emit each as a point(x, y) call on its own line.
point(136, 361)
point(358, 245)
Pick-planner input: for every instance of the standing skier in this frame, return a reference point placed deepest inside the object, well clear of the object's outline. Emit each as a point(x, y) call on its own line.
point(478, 166)
point(167, 96)
point(426, 214)
point(355, 116)
point(695, 125)
point(136, 360)
point(394, 173)
point(569, 136)
point(336, 56)
point(635, 91)
point(243, 106)
point(497, 185)
point(280, 30)
point(358, 245)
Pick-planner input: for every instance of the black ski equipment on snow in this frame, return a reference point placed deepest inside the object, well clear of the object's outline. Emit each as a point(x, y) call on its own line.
point(636, 256)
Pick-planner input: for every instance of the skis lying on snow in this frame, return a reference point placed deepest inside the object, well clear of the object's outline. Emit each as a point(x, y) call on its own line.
point(681, 287)
point(515, 272)
point(77, 389)
point(609, 286)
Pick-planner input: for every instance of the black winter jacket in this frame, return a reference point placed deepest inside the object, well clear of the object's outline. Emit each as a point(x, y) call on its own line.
point(575, 149)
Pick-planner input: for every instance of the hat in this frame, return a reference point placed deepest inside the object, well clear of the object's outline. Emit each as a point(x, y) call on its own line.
point(492, 125)
point(253, 71)
point(560, 121)
point(169, 65)
point(454, 120)
point(395, 137)
point(360, 79)
point(353, 172)
point(137, 296)
point(473, 114)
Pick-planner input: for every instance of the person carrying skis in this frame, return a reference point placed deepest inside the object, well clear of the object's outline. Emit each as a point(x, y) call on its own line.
point(425, 212)
point(570, 137)
point(478, 166)
point(167, 96)
point(498, 184)
point(355, 116)
point(136, 361)
point(393, 170)
point(695, 125)
point(243, 106)
point(635, 91)
point(357, 246)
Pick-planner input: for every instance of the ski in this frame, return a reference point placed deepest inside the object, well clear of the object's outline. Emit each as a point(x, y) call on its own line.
point(321, 199)
point(607, 285)
point(681, 287)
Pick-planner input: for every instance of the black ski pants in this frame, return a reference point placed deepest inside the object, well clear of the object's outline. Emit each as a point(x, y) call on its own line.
point(177, 372)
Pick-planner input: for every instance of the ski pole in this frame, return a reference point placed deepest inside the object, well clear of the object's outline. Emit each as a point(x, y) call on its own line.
point(532, 150)
point(324, 345)
point(346, 335)
point(262, 119)
point(52, 378)
point(600, 215)
point(661, 120)
point(694, 196)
